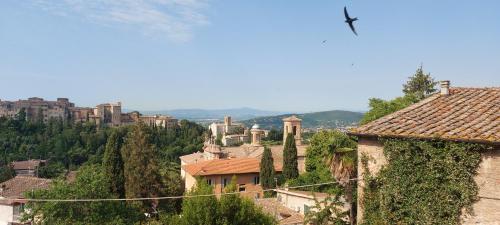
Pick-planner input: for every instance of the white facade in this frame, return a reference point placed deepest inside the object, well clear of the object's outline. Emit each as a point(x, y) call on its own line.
point(10, 213)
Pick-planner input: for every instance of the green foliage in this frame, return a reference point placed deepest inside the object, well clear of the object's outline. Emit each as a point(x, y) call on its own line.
point(380, 108)
point(141, 169)
point(51, 170)
point(90, 183)
point(274, 135)
point(267, 172)
point(290, 164)
point(113, 162)
point(202, 210)
point(420, 85)
point(424, 182)
point(326, 212)
point(6, 173)
point(230, 209)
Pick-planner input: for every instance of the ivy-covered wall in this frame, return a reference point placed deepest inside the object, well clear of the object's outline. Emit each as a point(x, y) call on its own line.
point(417, 182)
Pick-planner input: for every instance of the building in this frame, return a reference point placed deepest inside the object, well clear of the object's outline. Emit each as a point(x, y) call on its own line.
point(455, 114)
point(28, 168)
point(107, 114)
point(37, 109)
point(290, 206)
point(219, 172)
point(224, 158)
point(230, 133)
point(12, 199)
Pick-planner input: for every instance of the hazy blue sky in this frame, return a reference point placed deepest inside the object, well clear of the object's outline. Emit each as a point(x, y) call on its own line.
point(166, 54)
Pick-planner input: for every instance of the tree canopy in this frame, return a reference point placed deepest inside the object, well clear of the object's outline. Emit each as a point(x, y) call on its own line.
point(290, 164)
point(418, 87)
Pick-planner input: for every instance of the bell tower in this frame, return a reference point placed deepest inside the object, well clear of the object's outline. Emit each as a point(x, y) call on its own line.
point(292, 125)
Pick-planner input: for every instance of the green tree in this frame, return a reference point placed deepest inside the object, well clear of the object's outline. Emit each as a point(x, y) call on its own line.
point(326, 212)
point(6, 173)
point(341, 159)
point(237, 210)
point(290, 164)
point(380, 107)
point(21, 115)
point(420, 85)
point(141, 170)
point(267, 172)
point(113, 162)
point(200, 210)
point(90, 183)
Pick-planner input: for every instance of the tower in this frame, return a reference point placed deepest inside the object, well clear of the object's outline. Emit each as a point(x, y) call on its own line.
point(227, 123)
point(292, 125)
point(256, 134)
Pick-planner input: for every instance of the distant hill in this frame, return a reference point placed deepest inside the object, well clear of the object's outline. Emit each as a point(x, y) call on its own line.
point(215, 114)
point(326, 119)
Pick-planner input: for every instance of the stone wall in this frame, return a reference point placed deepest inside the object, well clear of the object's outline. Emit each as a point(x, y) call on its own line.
point(375, 153)
point(486, 210)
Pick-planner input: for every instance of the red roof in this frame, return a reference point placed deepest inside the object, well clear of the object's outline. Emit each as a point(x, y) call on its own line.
point(15, 187)
point(226, 166)
point(466, 114)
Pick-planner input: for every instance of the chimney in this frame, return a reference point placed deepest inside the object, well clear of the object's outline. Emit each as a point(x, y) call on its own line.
point(445, 87)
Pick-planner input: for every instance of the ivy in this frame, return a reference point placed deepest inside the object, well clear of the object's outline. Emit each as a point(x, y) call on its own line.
point(424, 182)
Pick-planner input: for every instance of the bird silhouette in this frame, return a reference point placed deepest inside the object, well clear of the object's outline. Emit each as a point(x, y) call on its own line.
point(324, 41)
point(350, 20)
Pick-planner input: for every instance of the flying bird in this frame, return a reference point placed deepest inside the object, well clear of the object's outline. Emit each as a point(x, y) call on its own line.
point(324, 41)
point(350, 20)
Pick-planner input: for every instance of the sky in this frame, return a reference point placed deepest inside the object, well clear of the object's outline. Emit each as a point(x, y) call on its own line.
point(215, 54)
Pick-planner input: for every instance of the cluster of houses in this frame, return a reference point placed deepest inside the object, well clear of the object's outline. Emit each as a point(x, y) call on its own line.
point(469, 115)
point(218, 164)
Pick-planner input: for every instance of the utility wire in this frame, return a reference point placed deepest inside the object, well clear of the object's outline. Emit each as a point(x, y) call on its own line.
point(160, 198)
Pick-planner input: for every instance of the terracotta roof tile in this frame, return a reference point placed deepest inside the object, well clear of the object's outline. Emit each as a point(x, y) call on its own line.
point(15, 187)
point(25, 165)
point(226, 166)
point(466, 114)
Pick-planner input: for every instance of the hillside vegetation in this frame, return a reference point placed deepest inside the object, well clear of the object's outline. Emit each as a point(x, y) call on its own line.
point(326, 119)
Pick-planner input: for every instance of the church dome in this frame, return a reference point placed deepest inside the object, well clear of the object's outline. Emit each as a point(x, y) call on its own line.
point(256, 126)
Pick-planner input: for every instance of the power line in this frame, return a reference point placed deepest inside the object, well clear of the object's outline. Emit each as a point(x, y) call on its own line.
point(160, 198)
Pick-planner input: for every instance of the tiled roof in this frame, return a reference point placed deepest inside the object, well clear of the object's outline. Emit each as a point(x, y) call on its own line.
point(226, 166)
point(25, 165)
point(272, 207)
point(466, 114)
point(15, 187)
point(292, 118)
point(245, 151)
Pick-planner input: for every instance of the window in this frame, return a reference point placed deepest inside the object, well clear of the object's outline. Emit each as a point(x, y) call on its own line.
point(256, 180)
point(306, 209)
point(294, 130)
point(224, 182)
point(242, 188)
point(209, 181)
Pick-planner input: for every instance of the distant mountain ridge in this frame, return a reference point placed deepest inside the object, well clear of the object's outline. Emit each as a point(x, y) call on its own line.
point(325, 119)
point(244, 113)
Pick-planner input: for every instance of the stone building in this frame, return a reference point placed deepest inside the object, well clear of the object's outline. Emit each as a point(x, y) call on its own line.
point(12, 199)
point(248, 153)
point(455, 114)
point(230, 133)
point(219, 172)
point(107, 114)
point(37, 109)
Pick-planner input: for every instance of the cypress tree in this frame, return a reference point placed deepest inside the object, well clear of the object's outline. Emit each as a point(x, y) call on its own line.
point(141, 169)
point(290, 164)
point(267, 169)
point(113, 162)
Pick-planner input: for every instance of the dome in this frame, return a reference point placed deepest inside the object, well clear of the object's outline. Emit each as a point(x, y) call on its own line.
point(256, 126)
